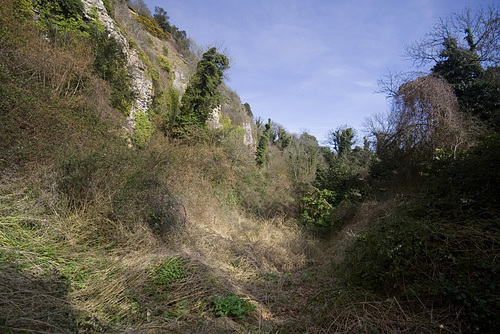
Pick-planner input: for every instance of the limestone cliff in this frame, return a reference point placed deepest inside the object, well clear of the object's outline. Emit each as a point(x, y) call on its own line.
point(141, 84)
point(148, 78)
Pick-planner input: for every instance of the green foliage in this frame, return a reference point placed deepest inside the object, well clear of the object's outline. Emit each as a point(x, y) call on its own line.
point(171, 31)
point(468, 183)
point(347, 176)
point(316, 214)
point(164, 64)
point(22, 9)
point(440, 246)
point(248, 109)
point(164, 51)
point(151, 26)
point(142, 131)
point(260, 157)
point(111, 65)
point(162, 18)
point(303, 157)
point(62, 8)
point(461, 67)
point(231, 305)
point(170, 271)
point(108, 4)
point(60, 16)
point(342, 140)
point(201, 95)
point(173, 101)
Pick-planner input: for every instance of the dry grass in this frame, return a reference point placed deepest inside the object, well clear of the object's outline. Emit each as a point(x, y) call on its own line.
point(105, 264)
point(367, 213)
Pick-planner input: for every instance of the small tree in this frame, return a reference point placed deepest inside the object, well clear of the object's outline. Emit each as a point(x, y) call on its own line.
point(162, 18)
point(341, 140)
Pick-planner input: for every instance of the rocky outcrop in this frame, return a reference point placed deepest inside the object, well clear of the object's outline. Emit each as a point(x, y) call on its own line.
point(180, 81)
point(213, 120)
point(142, 86)
point(248, 139)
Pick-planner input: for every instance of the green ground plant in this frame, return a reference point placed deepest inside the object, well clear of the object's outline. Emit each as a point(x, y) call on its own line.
point(230, 305)
point(170, 271)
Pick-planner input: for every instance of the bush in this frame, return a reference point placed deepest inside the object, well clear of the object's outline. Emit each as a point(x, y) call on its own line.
point(151, 26)
point(439, 249)
point(164, 64)
point(142, 130)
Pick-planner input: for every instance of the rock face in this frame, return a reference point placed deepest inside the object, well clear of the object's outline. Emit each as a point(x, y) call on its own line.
point(140, 83)
point(143, 86)
point(214, 118)
point(179, 81)
point(248, 139)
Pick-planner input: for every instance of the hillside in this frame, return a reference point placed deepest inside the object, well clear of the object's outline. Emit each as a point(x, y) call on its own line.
point(139, 195)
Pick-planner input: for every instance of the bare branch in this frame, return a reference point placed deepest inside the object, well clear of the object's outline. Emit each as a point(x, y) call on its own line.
point(484, 26)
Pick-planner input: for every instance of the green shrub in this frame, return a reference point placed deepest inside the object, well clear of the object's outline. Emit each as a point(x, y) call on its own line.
point(151, 26)
point(164, 64)
point(142, 130)
point(60, 16)
point(231, 305)
point(316, 214)
point(111, 65)
point(441, 263)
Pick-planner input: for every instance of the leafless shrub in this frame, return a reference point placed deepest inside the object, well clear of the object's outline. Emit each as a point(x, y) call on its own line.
point(424, 116)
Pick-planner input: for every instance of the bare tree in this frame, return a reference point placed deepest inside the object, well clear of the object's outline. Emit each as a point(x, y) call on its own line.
point(424, 116)
point(482, 27)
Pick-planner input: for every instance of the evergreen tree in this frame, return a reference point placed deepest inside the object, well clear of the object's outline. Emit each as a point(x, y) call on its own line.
point(342, 140)
point(161, 18)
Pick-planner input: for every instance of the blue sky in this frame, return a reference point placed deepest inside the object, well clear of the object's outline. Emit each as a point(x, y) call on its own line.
point(311, 65)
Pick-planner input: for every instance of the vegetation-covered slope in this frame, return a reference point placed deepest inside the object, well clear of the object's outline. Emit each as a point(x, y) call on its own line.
point(119, 219)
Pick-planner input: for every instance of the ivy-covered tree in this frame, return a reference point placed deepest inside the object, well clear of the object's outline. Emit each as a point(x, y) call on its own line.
point(481, 29)
point(262, 146)
point(304, 157)
point(342, 140)
point(201, 95)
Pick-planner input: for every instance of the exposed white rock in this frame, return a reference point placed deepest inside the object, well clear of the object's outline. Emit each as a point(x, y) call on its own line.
point(213, 120)
point(179, 81)
point(142, 86)
point(248, 138)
